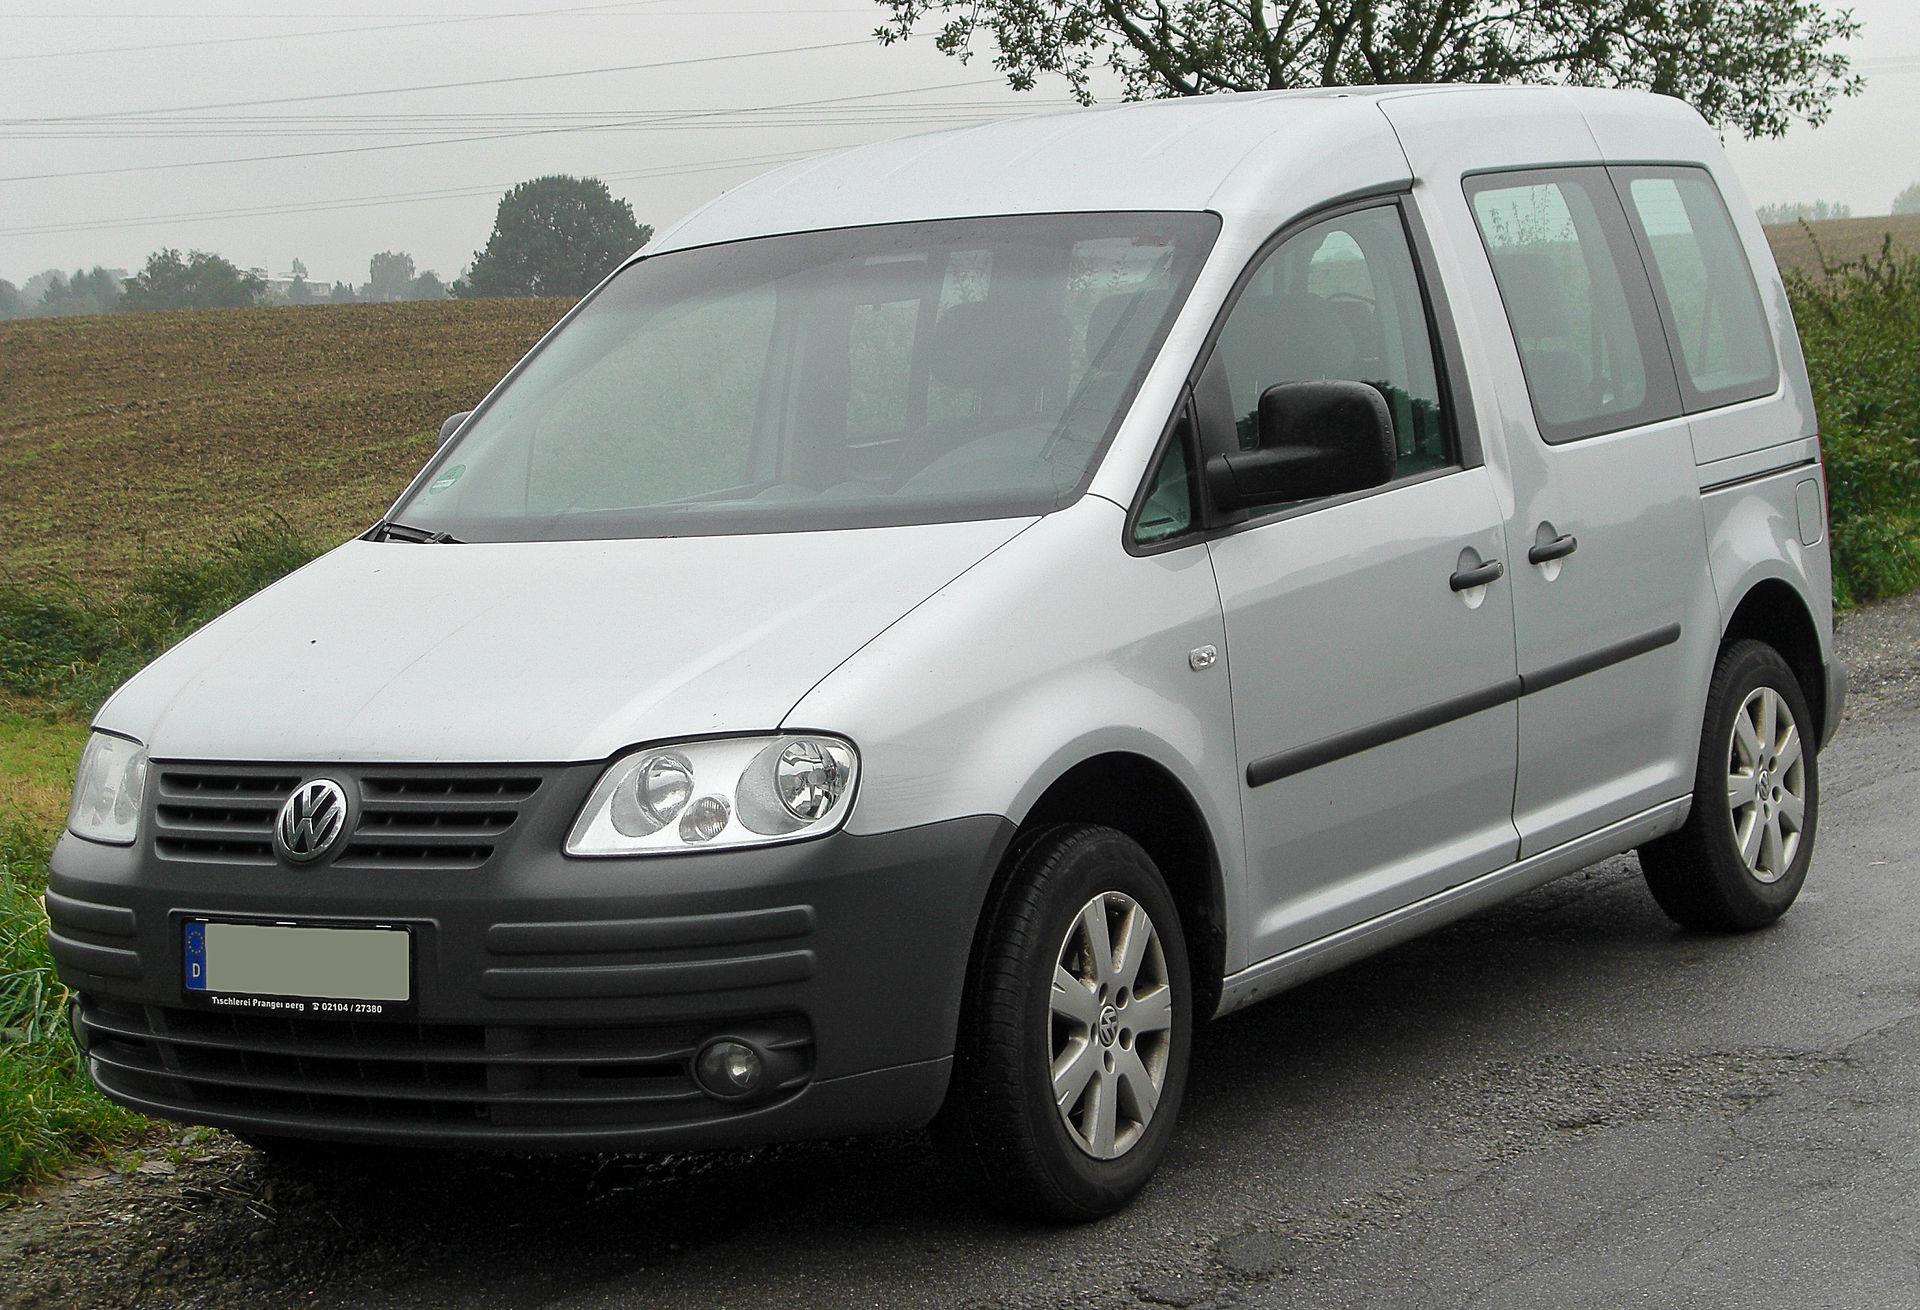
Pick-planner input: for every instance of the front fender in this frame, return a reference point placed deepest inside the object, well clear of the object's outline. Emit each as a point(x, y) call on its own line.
point(1058, 647)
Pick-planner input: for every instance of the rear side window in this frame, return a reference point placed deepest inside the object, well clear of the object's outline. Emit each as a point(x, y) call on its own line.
point(1705, 285)
point(1578, 300)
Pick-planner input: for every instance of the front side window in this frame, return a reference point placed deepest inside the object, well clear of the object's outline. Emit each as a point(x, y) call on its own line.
point(1577, 300)
point(1340, 300)
point(1705, 284)
point(915, 372)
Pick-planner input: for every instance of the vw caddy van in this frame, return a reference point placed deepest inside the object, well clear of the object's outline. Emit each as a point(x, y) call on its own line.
point(952, 616)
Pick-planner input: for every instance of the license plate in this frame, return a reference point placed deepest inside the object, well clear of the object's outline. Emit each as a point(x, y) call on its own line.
point(297, 968)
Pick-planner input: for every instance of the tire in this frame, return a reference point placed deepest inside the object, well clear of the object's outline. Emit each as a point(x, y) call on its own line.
point(1742, 856)
point(1130, 1021)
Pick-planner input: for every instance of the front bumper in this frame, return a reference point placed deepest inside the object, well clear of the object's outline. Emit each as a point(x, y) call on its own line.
point(558, 1002)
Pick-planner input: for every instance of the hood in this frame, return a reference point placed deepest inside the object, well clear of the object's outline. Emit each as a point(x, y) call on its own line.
point(386, 652)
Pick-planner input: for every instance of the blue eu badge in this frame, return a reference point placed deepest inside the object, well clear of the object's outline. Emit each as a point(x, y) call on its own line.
point(196, 957)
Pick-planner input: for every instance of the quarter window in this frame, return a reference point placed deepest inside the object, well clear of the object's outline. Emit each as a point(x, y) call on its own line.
point(1167, 512)
point(1577, 300)
point(1340, 300)
point(1705, 284)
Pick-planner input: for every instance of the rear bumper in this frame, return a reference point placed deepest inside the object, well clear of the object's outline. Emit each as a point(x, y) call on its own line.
point(557, 1003)
point(1836, 701)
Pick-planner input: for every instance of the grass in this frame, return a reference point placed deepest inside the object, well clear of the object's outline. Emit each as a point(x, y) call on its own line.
point(66, 647)
point(47, 1109)
point(62, 651)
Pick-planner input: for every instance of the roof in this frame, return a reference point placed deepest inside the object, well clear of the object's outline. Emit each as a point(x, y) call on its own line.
point(1246, 154)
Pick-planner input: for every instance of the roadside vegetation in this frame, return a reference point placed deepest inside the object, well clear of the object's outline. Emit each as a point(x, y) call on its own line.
point(62, 652)
point(156, 469)
point(1860, 328)
point(47, 1111)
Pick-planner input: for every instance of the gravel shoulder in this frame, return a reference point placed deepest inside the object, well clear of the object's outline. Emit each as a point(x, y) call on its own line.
point(1561, 1101)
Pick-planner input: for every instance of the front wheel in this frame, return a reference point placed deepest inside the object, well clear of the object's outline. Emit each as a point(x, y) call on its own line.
point(1742, 856)
point(1075, 1030)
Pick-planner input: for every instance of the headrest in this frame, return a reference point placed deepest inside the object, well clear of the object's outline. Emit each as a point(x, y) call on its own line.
point(980, 343)
point(1109, 354)
point(1288, 338)
point(1535, 292)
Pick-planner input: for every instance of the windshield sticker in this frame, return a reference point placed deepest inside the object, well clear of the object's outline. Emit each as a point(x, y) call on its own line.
point(446, 479)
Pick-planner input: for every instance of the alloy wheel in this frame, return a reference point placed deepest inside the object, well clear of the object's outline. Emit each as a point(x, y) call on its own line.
point(1766, 784)
point(1112, 1025)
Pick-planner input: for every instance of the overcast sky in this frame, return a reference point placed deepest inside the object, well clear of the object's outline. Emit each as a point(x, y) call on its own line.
point(421, 169)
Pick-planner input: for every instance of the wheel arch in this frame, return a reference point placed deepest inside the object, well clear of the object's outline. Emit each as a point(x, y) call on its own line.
point(1772, 610)
point(1141, 797)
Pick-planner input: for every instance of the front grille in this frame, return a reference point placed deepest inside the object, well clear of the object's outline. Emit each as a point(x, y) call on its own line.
point(218, 814)
point(412, 818)
point(395, 1074)
point(434, 818)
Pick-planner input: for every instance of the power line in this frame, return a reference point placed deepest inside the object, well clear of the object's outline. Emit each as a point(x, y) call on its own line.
point(720, 121)
point(583, 11)
point(394, 198)
point(290, 36)
point(870, 118)
point(439, 141)
point(405, 197)
point(453, 86)
point(234, 16)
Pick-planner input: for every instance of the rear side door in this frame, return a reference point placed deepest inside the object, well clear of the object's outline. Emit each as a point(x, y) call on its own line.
point(1372, 693)
point(1613, 602)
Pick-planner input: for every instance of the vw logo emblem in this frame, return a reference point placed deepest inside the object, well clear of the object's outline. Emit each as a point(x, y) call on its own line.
point(311, 822)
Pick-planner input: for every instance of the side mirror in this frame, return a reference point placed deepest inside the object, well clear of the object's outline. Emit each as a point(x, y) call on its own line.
point(452, 425)
point(1316, 439)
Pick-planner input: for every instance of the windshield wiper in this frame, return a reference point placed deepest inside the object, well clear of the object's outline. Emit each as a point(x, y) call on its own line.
point(386, 530)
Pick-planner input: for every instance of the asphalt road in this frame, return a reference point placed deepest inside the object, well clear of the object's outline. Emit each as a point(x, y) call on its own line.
point(1564, 1102)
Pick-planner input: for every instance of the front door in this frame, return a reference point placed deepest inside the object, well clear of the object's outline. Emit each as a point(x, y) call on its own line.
point(1373, 676)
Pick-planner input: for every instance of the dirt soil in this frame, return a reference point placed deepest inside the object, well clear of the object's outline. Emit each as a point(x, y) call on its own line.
point(127, 435)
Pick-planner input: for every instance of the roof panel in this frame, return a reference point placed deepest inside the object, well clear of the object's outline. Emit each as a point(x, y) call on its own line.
point(1199, 153)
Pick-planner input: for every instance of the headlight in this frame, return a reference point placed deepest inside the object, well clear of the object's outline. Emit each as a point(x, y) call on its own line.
point(107, 792)
point(714, 795)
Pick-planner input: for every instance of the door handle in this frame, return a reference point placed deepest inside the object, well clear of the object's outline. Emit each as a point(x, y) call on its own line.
point(1468, 579)
point(1559, 548)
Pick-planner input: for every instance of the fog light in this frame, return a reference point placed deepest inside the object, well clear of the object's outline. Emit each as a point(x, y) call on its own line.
point(730, 1070)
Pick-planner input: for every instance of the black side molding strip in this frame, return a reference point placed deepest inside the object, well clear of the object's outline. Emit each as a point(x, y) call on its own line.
point(1773, 472)
point(1593, 661)
point(1301, 758)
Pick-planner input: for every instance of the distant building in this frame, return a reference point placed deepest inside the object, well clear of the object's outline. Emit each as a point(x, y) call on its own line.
point(280, 289)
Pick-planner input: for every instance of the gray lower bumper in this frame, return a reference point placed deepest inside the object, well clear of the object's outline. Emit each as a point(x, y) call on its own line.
point(558, 1002)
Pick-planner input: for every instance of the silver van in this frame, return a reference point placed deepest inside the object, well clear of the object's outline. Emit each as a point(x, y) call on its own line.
point(952, 616)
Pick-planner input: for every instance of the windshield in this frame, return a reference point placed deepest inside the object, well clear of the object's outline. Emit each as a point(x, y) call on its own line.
point(909, 373)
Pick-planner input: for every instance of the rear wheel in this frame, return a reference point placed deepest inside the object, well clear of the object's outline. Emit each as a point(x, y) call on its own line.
point(1075, 1030)
point(1742, 856)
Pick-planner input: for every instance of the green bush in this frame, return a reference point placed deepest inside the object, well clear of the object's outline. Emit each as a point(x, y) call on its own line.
point(64, 648)
point(1860, 328)
point(47, 1108)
